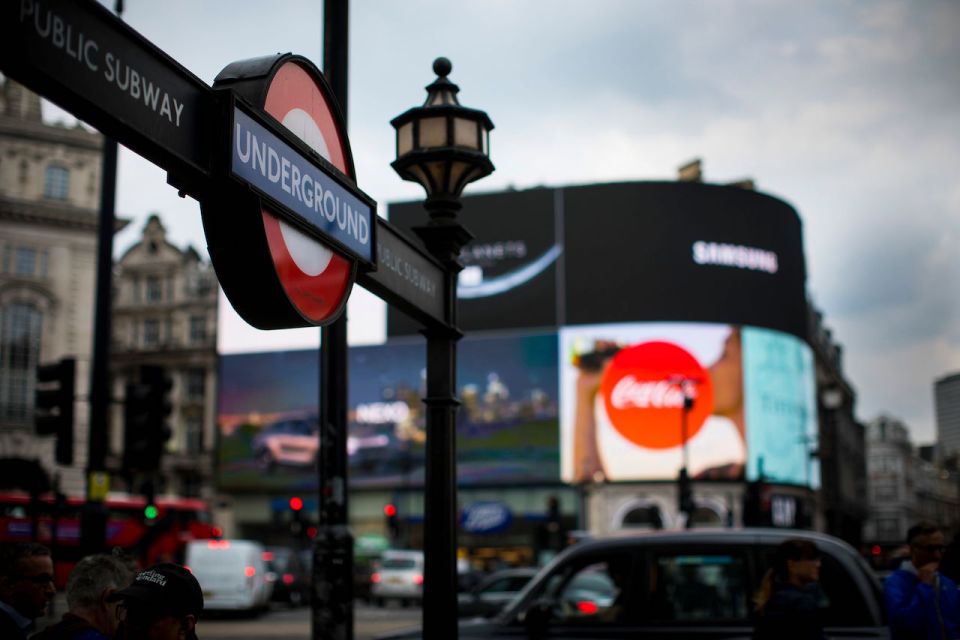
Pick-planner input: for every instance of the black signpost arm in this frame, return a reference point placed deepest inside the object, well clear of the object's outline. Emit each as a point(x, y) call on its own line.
point(333, 547)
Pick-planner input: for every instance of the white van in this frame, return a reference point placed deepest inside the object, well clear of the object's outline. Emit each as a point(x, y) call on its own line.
point(232, 573)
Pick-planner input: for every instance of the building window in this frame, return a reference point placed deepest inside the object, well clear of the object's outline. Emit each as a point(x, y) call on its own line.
point(151, 332)
point(196, 379)
point(888, 529)
point(20, 327)
point(56, 183)
point(25, 261)
point(154, 289)
point(884, 491)
point(198, 329)
point(194, 437)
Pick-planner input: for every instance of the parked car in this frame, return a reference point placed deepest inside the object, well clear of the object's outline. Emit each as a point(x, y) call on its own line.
point(291, 442)
point(291, 579)
point(689, 584)
point(492, 593)
point(399, 577)
point(232, 574)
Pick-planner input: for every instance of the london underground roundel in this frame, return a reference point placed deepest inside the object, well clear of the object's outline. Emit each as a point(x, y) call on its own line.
point(275, 275)
point(643, 394)
point(316, 279)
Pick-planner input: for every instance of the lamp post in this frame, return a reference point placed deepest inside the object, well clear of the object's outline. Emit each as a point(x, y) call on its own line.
point(684, 490)
point(443, 146)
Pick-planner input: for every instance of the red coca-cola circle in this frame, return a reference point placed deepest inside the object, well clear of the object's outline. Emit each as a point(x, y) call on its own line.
point(643, 395)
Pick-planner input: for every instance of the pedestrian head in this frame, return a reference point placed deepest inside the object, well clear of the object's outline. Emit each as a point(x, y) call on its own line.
point(26, 578)
point(926, 542)
point(797, 561)
point(163, 603)
point(90, 585)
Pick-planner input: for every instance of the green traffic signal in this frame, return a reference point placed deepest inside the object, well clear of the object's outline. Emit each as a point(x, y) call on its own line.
point(150, 512)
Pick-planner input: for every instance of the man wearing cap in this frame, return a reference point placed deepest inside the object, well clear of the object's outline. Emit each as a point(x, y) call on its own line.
point(163, 603)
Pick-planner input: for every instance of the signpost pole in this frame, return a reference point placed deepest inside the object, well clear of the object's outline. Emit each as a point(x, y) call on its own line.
point(333, 548)
point(93, 519)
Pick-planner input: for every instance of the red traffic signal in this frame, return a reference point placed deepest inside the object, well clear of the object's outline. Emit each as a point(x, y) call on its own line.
point(296, 503)
point(389, 510)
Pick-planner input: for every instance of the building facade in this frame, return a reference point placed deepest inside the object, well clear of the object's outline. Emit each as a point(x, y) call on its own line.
point(904, 488)
point(841, 449)
point(49, 195)
point(946, 393)
point(165, 314)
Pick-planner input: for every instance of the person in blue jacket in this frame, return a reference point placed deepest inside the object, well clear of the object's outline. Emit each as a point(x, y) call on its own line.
point(922, 603)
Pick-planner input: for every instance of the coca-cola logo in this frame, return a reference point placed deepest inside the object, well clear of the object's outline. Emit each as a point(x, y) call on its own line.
point(644, 388)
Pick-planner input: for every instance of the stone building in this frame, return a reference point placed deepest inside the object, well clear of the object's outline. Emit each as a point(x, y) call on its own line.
point(49, 196)
point(165, 314)
point(841, 448)
point(904, 487)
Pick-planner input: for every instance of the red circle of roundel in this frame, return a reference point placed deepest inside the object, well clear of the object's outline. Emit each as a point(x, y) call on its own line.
point(316, 292)
point(644, 398)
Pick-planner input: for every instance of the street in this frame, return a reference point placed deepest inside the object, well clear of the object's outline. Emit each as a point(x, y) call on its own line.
point(294, 624)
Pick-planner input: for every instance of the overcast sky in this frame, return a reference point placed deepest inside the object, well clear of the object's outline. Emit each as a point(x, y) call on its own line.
point(850, 111)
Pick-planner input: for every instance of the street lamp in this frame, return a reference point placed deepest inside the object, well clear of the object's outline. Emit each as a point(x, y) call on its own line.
point(443, 146)
point(684, 490)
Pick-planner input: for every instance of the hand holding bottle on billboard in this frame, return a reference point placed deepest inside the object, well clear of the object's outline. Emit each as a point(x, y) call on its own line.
point(587, 464)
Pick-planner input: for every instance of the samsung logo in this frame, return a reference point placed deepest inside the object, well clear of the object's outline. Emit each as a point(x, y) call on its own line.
point(735, 255)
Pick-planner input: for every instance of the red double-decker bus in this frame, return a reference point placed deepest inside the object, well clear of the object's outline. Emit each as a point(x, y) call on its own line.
point(149, 539)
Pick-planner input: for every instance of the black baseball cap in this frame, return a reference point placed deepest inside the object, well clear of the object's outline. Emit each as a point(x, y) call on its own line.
point(166, 588)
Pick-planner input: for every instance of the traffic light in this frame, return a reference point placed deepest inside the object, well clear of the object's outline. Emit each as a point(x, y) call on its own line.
point(298, 525)
point(53, 405)
point(146, 407)
point(393, 525)
point(756, 510)
point(150, 510)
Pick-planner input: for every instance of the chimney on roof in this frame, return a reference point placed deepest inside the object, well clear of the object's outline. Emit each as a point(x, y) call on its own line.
point(690, 172)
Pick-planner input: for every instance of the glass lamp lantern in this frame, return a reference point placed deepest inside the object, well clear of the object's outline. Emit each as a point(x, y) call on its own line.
point(442, 145)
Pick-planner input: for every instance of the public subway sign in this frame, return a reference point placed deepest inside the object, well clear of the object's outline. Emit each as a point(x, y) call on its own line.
point(81, 56)
point(414, 279)
point(264, 151)
point(302, 185)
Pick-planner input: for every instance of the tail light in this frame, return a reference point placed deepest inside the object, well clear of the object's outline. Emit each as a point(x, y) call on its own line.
point(375, 578)
point(587, 607)
point(418, 580)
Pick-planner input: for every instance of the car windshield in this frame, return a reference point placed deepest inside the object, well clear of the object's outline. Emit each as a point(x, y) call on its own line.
point(398, 563)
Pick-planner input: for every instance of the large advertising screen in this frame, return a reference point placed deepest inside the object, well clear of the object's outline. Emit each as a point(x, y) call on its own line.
point(507, 425)
point(741, 398)
point(626, 252)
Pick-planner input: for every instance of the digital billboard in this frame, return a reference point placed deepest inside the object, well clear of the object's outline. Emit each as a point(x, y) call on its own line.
point(507, 425)
point(742, 399)
point(626, 252)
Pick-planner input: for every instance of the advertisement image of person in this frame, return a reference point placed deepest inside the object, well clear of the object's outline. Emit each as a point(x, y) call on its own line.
point(726, 377)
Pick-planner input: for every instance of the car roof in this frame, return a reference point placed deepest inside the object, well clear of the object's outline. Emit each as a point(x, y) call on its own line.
point(709, 536)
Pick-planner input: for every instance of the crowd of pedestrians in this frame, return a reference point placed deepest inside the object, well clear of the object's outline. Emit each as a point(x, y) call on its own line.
point(106, 598)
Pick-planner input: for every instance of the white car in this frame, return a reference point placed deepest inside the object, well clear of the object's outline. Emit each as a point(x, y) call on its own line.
point(232, 574)
point(399, 576)
point(293, 442)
